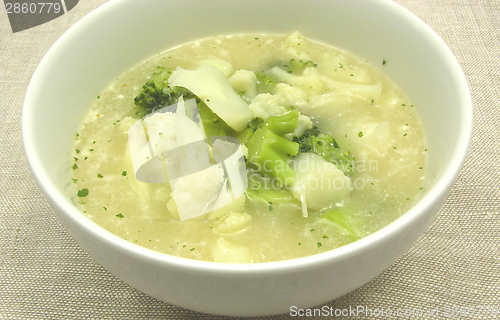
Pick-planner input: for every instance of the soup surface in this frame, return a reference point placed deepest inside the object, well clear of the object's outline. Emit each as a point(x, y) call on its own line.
point(375, 128)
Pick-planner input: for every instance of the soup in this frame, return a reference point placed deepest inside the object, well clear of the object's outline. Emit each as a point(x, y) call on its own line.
point(331, 150)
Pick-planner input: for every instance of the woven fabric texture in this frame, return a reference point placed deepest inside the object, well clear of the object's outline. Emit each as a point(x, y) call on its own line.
point(44, 274)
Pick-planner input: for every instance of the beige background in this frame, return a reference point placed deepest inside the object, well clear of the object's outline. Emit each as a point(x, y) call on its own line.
point(44, 274)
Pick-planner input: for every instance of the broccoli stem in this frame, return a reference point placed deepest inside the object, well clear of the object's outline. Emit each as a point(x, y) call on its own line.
point(213, 125)
point(248, 132)
point(340, 219)
point(245, 135)
point(270, 152)
point(260, 188)
point(283, 124)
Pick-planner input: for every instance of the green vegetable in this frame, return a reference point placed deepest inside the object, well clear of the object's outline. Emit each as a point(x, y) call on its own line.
point(298, 66)
point(311, 140)
point(266, 83)
point(249, 131)
point(120, 215)
point(83, 193)
point(255, 124)
point(260, 188)
point(270, 152)
point(212, 124)
point(156, 92)
point(339, 217)
point(124, 173)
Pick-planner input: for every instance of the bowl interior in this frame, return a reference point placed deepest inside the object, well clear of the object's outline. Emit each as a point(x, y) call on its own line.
point(124, 32)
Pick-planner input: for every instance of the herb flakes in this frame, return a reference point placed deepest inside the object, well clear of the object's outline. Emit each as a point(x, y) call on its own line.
point(83, 193)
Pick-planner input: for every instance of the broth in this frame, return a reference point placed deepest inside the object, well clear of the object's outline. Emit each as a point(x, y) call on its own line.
point(344, 96)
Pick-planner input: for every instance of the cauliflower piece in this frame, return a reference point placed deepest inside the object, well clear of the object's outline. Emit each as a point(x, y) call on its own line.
point(297, 46)
point(367, 91)
point(244, 81)
point(304, 123)
point(194, 193)
point(223, 251)
point(266, 104)
point(232, 223)
point(223, 66)
point(309, 84)
point(290, 94)
point(319, 183)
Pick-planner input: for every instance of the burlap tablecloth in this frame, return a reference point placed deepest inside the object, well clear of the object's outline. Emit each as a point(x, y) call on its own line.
point(44, 274)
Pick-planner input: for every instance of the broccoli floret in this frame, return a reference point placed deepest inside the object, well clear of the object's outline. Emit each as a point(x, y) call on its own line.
point(255, 123)
point(248, 132)
point(298, 66)
point(260, 188)
point(266, 83)
point(311, 140)
point(157, 93)
point(270, 152)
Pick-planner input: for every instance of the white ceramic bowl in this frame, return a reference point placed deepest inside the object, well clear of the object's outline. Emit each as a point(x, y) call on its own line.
point(123, 32)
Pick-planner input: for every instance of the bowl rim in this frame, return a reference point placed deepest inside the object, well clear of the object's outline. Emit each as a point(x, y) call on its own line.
point(440, 188)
